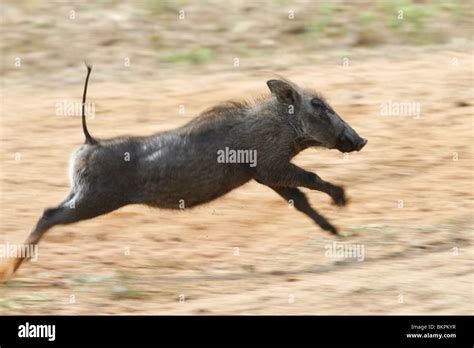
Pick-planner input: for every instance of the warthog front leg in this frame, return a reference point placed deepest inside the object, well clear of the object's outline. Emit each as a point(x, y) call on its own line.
point(294, 176)
point(301, 203)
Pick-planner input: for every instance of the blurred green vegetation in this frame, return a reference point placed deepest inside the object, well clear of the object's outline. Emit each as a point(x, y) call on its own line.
point(163, 6)
point(197, 55)
point(402, 21)
point(210, 31)
point(258, 28)
point(125, 287)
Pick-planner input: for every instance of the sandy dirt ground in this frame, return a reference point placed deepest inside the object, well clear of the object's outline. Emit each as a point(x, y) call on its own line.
point(249, 252)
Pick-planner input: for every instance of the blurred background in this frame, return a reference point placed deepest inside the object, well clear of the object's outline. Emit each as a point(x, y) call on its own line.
point(400, 72)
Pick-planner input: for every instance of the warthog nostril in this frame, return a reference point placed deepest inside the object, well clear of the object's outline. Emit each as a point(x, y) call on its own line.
point(361, 144)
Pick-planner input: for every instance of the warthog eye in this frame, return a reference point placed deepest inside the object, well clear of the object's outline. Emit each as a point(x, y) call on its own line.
point(317, 104)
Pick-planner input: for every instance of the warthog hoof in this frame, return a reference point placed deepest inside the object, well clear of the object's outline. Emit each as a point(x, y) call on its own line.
point(7, 268)
point(338, 196)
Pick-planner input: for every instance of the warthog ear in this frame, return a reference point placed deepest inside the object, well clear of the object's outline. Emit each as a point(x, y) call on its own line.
point(284, 92)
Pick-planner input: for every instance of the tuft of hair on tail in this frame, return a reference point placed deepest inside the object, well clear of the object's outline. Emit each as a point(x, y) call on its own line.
point(89, 139)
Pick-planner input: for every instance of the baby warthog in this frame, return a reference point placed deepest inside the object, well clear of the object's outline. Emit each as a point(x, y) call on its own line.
point(222, 149)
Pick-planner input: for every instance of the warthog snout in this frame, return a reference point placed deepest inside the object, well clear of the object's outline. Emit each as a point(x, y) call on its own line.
point(361, 144)
point(350, 141)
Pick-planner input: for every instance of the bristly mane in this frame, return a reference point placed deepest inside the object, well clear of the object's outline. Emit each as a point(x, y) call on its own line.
point(226, 113)
point(226, 107)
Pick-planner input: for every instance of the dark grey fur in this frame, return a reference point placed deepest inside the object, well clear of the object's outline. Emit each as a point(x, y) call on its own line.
point(179, 167)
